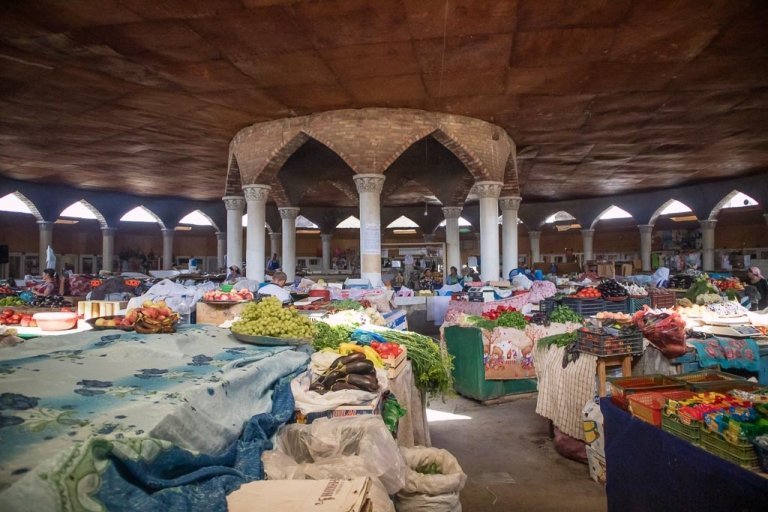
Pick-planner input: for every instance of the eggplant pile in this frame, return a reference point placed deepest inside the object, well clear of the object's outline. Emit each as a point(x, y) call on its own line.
point(611, 288)
point(353, 372)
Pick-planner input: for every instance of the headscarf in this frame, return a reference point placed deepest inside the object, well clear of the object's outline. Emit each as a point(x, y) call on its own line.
point(756, 272)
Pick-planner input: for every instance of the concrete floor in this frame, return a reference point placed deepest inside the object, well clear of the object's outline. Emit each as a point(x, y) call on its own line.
point(509, 459)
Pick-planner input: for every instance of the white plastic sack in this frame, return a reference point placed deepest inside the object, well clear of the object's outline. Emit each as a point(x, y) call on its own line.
point(310, 401)
point(172, 293)
point(426, 503)
point(452, 478)
point(448, 289)
point(521, 282)
point(345, 447)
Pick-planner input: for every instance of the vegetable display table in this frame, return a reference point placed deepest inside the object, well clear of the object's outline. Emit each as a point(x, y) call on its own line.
point(651, 470)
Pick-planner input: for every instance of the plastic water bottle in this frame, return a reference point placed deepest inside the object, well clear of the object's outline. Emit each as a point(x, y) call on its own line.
point(184, 311)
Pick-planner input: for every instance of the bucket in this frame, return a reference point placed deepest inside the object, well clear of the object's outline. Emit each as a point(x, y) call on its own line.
point(324, 294)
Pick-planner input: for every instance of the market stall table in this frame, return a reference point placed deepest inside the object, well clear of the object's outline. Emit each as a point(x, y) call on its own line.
point(651, 470)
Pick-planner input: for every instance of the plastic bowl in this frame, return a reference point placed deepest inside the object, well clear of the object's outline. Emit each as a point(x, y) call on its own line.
point(226, 288)
point(55, 321)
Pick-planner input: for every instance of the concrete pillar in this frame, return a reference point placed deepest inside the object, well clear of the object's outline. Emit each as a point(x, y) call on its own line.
point(488, 192)
point(274, 244)
point(646, 232)
point(587, 237)
point(708, 244)
point(256, 197)
point(46, 239)
point(234, 206)
point(167, 248)
point(221, 249)
point(452, 239)
point(509, 208)
point(369, 189)
point(107, 248)
point(535, 237)
point(326, 238)
point(289, 214)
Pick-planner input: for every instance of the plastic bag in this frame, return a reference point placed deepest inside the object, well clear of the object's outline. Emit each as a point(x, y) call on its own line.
point(522, 282)
point(345, 448)
point(173, 294)
point(426, 503)
point(436, 493)
point(310, 401)
point(665, 331)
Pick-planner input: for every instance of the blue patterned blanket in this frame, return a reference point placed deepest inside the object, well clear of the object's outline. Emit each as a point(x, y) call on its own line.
point(120, 421)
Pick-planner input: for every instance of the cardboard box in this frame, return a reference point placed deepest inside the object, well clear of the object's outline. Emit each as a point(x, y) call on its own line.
point(216, 314)
point(397, 320)
point(302, 496)
point(372, 407)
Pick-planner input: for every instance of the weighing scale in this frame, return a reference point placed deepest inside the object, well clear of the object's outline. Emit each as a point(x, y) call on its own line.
point(481, 294)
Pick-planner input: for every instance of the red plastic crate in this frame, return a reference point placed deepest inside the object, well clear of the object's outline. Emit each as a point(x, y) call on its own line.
point(647, 406)
point(622, 387)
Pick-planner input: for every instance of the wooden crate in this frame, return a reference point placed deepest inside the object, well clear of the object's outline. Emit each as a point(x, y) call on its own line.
point(216, 314)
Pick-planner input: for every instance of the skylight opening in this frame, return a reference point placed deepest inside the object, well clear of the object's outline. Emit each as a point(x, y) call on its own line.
point(12, 203)
point(463, 223)
point(78, 210)
point(196, 218)
point(139, 214)
point(560, 216)
point(675, 207)
point(740, 200)
point(614, 212)
point(304, 223)
point(350, 222)
point(402, 222)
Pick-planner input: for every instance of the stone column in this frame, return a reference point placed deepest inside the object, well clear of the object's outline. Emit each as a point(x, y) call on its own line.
point(708, 244)
point(509, 208)
point(274, 244)
point(107, 248)
point(221, 249)
point(369, 189)
point(167, 248)
point(326, 238)
point(452, 239)
point(234, 206)
point(46, 239)
point(256, 198)
point(289, 214)
point(535, 237)
point(646, 237)
point(587, 237)
point(488, 192)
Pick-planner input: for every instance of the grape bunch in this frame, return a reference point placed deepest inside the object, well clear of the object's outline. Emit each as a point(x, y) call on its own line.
point(270, 318)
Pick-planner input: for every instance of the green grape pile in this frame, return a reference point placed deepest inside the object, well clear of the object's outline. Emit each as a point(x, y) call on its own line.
point(270, 318)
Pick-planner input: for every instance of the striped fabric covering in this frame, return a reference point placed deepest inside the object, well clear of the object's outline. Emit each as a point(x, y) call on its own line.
point(564, 392)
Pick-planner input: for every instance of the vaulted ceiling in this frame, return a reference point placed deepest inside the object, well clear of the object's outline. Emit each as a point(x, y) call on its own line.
point(601, 96)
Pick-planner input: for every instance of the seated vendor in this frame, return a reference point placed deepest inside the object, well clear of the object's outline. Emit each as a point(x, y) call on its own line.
point(453, 277)
point(234, 274)
point(275, 288)
point(49, 285)
point(279, 278)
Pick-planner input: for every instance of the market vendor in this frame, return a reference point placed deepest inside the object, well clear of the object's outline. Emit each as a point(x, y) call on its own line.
point(757, 280)
point(48, 287)
point(427, 282)
point(234, 274)
point(453, 277)
point(275, 288)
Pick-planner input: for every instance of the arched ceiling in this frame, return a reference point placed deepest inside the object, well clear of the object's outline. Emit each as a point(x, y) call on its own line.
point(601, 97)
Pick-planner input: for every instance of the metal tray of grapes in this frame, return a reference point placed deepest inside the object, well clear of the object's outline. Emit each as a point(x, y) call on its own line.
point(268, 341)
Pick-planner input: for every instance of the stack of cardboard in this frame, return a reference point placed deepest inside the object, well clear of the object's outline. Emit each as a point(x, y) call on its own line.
point(302, 496)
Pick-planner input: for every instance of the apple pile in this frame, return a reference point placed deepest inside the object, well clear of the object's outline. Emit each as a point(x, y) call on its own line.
point(232, 296)
point(11, 317)
point(114, 322)
point(152, 318)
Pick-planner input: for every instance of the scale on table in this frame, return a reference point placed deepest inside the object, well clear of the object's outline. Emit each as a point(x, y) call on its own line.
point(732, 331)
point(481, 294)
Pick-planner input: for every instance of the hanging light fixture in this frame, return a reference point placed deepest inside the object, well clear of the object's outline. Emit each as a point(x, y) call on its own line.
point(425, 207)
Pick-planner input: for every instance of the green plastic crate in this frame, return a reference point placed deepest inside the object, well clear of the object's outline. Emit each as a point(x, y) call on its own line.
point(465, 344)
point(692, 433)
point(743, 454)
